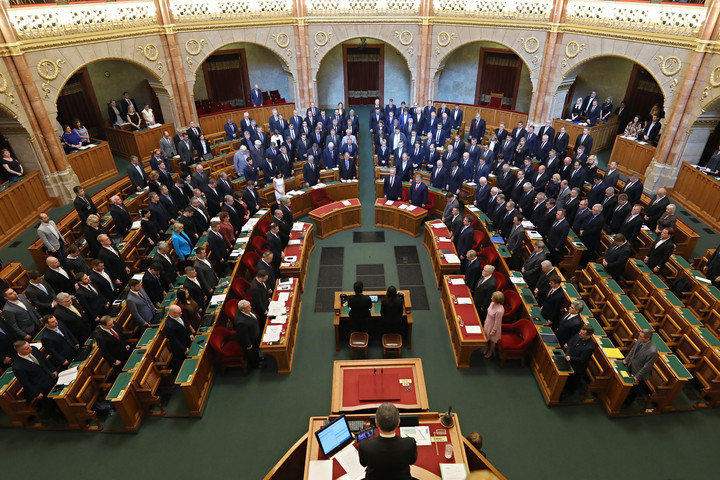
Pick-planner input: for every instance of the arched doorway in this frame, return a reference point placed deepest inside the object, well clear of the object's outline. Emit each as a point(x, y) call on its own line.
point(14, 137)
point(230, 72)
point(87, 93)
point(472, 72)
point(360, 70)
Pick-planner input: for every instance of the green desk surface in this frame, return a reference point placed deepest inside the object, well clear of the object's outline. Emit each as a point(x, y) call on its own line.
point(682, 262)
point(606, 343)
point(714, 291)
point(656, 282)
point(187, 370)
point(39, 336)
point(614, 287)
point(627, 304)
point(586, 310)
point(153, 252)
point(600, 270)
point(560, 353)
point(641, 321)
point(121, 384)
point(571, 234)
point(708, 337)
point(536, 312)
point(198, 344)
point(6, 378)
point(620, 368)
point(548, 331)
point(134, 360)
point(527, 296)
point(690, 317)
point(179, 281)
point(578, 244)
point(147, 337)
point(503, 251)
point(169, 299)
point(653, 236)
point(662, 347)
point(676, 365)
point(484, 218)
point(518, 275)
point(670, 297)
point(571, 291)
point(596, 325)
point(58, 390)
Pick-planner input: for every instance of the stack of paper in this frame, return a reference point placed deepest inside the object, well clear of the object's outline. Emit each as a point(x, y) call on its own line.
point(437, 225)
point(464, 301)
point(404, 206)
point(349, 460)
point(389, 202)
point(298, 227)
point(527, 224)
point(279, 319)
point(347, 203)
point(294, 242)
point(457, 281)
point(68, 376)
point(217, 299)
point(135, 225)
point(534, 235)
point(138, 276)
point(320, 470)
point(452, 258)
point(411, 208)
point(453, 471)
point(520, 280)
point(272, 333)
point(319, 185)
point(276, 308)
point(421, 434)
point(283, 297)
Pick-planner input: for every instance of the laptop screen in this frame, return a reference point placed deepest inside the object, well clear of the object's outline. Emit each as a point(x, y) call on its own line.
point(374, 298)
point(334, 436)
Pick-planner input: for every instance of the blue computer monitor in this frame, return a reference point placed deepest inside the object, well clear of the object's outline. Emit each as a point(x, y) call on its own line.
point(334, 436)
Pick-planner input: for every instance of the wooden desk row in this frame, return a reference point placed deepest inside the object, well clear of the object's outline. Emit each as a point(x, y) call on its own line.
point(215, 122)
point(140, 143)
point(699, 193)
point(603, 134)
point(94, 164)
point(399, 216)
point(20, 204)
point(283, 349)
point(336, 217)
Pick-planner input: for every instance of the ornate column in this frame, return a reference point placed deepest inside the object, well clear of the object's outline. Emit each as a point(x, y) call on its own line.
point(184, 104)
point(57, 174)
point(543, 98)
point(668, 156)
point(422, 82)
point(305, 90)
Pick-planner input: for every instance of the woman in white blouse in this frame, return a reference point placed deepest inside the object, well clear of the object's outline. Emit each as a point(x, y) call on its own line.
point(147, 114)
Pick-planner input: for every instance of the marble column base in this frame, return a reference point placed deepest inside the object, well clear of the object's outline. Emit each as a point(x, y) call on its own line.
point(60, 186)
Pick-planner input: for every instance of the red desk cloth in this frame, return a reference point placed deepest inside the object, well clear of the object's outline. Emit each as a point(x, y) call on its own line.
point(334, 206)
point(417, 212)
point(352, 386)
point(296, 250)
point(445, 245)
point(288, 304)
point(467, 312)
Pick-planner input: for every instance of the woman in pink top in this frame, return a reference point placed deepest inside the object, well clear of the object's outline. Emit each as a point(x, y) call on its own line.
point(493, 321)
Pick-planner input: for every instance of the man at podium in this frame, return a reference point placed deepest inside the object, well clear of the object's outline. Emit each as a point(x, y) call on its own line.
point(387, 456)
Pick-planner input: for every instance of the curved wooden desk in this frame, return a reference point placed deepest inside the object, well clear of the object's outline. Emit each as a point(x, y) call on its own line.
point(400, 216)
point(632, 156)
point(301, 202)
point(336, 217)
point(21, 203)
point(439, 247)
point(126, 143)
point(464, 341)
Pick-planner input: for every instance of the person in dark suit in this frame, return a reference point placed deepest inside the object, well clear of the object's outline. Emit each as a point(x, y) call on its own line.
point(472, 270)
point(482, 195)
point(40, 293)
point(214, 198)
point(569, 325)
point(70, 313)
point(218, 248)
point(106, 284)
point(640, 361)
point(633, 189)
point(137, 174)
point(477, 127)
point(392, 312)
point(58, 277)
point(557, 236)
point(506, 181)
point(205, 271)
point(454, 222)
point(651, 132)
point(179, 334)
point(418, 192)
point(631, 226)
point(74, 261)
point(256, 96)
point(91, 299)
point(576, 179)
point(531, 268)
point(438, 176)
point(311, 172)
point(585, 140)
point(360, 305)
point(561, 142)
point(656, 208)
point(36, 376)
point(484, 288)
point(619, 213)
point(392, 187)
point(581, 216)
point(21, 319)
point(515, 241)
point(112, 259)
point(152, 283)
point(464, 240)
point(660, 251)
point(59, 342)
point(387, 456)
point(112, 343)
point(83, 204)
point(597, 191)
point(197, 291)
point(616, 256)
point(247, 333)
point(590, 234)
point(553, 302)
point(261, 291)
point(347, 168)
point(168, 270)
point(120, 215)
point(578, 351)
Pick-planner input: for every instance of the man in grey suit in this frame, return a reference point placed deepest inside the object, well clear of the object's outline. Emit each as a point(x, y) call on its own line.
point(484, 289)
point(449, 204)
point(515, 242)
point(136, 173)
point(40, 293)
point(51, 237)
point(533, 264)
point(204, 268)
point(21, 317)
point(640, 362)
point(200, 178)
point(139, 304)
point(167, 146)
point(186, 150)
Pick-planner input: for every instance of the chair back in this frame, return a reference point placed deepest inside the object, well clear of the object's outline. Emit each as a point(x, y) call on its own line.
point(501, 280)
point(230, 309)
point(250, 261)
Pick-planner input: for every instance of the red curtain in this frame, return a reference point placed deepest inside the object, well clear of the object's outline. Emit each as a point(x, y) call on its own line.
point(499, 74)
point(363, 67)
point(225, 75)
point(74, 103)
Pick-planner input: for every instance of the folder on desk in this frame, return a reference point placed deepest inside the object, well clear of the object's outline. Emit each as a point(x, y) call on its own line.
point(549, 338)
point(613, 352)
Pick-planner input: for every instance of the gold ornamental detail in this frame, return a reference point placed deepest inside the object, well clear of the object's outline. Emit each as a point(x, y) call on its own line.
point(149, 51)
point(281, 39)
point(405, 37)
point(669, 66)
point(713, 82)
point(322, 38)
point(573, 49)
point(49, 71)
point(530, 45)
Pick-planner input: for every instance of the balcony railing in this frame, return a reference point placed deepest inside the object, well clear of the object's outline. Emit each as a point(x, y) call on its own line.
point(362, 7)
point(198, 11)
point(507, 9)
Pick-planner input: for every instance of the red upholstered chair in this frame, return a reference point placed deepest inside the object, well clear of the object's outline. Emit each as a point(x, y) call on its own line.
point(230, 309)
point(405, 194)
point(496, 100)
point(501, 281)
point(264, 227)
point(512, 305)
point(229, 352)
point(240, 288)
point(488, 256)
point(478, 238)
point(250, 261)
point(515, 340)
point(320, 197)
point(260, 244)
point(431, 201)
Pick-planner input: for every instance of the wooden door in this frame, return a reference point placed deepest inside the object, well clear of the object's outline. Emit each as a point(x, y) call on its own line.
point(364, 73)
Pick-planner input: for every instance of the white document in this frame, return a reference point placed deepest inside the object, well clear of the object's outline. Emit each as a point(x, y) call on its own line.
point(284, 287)
point(389, 202)
point(464, 301)
point(318, 185)
point(473, 208)
point(276, 308)
point(286, 281)
point(421, 434)
point(411, 208)
point(283, 297)
point(290, 258)
point(298, 227)
point(279, 319)
point(68, 376)
point(37, 345)
point(215, 219)
point(294, 242)
point(347, 203)
point(349, 460)
point(473, 329)
point(135, 225)
point(272, 333)
point(452, 258)
point(437, 225)
point(517, 279)
point(217, 299)
point(286, 264)
point(138, 276)
point(534, 235)
point(321, 470)
point(444, 239)
point(703, 280)
point(457, 281)
point(404, 206)
point(453, 471)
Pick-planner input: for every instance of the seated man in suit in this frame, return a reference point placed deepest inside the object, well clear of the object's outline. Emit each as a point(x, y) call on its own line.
point(36, 376)
point(387, 455)
point(392, 187)
point(660, 251)
point(553, 302)
point(571, 323)
point(247, 333)
point(59, 342)
point(360, 305)
point(484, 288)
point(616, 256)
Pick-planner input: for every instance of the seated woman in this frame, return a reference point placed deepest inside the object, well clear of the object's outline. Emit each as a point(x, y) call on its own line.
point(133, 119)
point(116, 118)
point(667, 220)
point(71, 139)
point(149, 227)
point(81, 131)
point(148, 116)
point(92, 231)
point(576, 111)
point(633, 127)
point(13, 169)
point(181, 242)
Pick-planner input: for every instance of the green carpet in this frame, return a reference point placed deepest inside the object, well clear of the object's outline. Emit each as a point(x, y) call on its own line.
point(250, 422)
